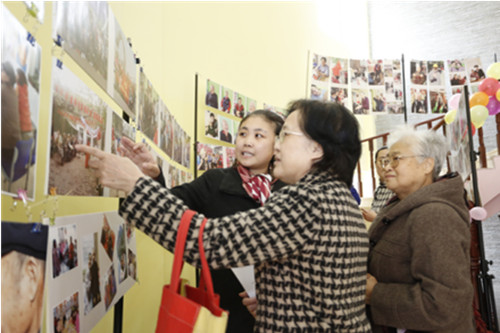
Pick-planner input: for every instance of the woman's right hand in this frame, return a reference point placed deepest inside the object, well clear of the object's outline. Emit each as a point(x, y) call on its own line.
point(250, 303)
point(368, 214)
point(140, 155)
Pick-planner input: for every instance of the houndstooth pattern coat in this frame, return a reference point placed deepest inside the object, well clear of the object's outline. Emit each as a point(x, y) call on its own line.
point(308, 243)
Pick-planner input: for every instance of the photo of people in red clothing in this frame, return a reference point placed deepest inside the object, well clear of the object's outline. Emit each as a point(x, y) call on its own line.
point(78, 117)
point(124, 72)
point(239, 108)
point(107, 238)
point(339, 70)
point(64, 250)
point(20, 107)
point(67, 315)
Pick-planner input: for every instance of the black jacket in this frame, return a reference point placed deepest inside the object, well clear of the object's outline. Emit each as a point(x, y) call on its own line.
point(217, 193)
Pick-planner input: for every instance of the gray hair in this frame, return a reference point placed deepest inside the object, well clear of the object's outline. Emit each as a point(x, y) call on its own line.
point(427, 143)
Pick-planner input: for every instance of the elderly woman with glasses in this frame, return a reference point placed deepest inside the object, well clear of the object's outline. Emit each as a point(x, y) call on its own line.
point(308, 242)
point(419, 262)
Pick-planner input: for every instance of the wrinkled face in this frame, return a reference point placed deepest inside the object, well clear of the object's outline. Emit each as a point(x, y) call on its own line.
point(255, 144)
point(295, 153)
point(406, 175)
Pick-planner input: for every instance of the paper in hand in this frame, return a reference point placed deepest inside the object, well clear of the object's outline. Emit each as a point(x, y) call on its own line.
point(246, 277)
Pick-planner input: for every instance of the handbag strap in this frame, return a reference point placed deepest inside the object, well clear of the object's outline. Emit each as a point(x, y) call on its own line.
point(180, 243)
point(206, 280)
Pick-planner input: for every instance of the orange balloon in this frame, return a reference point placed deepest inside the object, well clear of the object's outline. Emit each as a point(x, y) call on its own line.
point(498, 95)
point(479, 98)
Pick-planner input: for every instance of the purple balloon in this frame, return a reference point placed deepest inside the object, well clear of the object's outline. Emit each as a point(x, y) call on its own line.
point(493, 106)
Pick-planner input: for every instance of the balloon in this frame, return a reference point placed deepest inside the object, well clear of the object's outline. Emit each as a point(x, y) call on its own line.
point(478, 213)
point(489, 86)
point(454, 101)
point(494, 71)
point(479, 98)
point(473, 129)
point(498, 95)
point(449, 117)
point(493, 106)
point(478, 115)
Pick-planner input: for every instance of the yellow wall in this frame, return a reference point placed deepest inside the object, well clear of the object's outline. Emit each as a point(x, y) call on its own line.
point(259, 49)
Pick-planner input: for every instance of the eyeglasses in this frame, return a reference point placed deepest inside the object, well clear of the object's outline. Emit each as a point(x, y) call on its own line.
point(394, 160)
point(283, 134)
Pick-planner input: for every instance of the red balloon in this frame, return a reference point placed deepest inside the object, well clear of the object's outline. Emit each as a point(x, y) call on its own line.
point(489, 86)
point(493, 106)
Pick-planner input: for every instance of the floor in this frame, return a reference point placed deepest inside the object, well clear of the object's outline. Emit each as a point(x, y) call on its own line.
point(491, 236)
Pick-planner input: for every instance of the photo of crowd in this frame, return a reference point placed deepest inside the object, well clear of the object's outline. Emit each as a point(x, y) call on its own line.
point(124, 66)
point(78, 117)
point(66, 315)
point(64, 250)
point(159, 125)
point(20, 107)
point(209, 157)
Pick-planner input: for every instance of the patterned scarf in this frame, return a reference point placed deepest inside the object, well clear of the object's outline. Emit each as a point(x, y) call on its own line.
point(258, 187)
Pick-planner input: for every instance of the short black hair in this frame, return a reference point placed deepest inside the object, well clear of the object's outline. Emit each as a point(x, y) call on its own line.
point(269, 116)
point(379, 150)
point(336, 129)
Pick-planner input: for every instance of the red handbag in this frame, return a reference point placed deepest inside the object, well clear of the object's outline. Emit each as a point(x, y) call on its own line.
point(199, 310)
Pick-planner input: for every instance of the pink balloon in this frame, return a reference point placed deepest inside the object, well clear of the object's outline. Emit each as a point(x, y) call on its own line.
point(493, 106)
point(489, 86)
point(454, 101)
point(478, 213)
